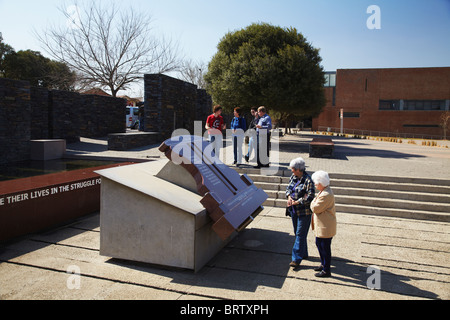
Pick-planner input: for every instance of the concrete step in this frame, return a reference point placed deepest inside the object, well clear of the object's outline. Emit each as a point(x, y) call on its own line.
point(391, 186)
point(403, 180)
point(269, 186)
point(363, 184)
point(376, 211)
point(392, 194)
point(280, 201)
point(357, 177)
point(414, 198)
point(377, 194)
point(398, 213)
point(393, 203)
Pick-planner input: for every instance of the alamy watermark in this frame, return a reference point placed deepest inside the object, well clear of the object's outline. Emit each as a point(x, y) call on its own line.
point(374, 280)
point(74, 280)
point(374, 21)
point(215, 151)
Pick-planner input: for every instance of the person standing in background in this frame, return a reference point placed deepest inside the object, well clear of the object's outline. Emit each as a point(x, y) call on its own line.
point(215, 124)
point(324, 221)
point(300, 193)
point(252, 133)
point(263, 138)
point(238, 126)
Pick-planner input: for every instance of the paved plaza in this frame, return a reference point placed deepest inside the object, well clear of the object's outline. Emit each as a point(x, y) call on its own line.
point(374, 258)
point(355, 156)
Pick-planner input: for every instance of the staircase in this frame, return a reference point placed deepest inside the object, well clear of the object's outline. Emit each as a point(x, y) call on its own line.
point(411, 198)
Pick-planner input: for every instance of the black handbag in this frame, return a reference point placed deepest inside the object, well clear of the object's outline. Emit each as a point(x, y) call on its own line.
point(288, 212)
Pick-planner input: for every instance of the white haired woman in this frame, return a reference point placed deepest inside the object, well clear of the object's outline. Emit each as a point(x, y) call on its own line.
point(299, 193)
point(324, 221)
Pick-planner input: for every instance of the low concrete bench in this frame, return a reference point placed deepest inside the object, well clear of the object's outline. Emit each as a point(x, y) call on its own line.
point(44, 150)
point(129, 141)
point(321, 148)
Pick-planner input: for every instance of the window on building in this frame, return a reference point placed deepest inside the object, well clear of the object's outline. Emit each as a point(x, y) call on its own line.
point(333, 80)
point(431, 105)
point(413, 105)
point(334, 97)
point(330, 79)
point(389, 104)
point(350, 115)
point(421, 126)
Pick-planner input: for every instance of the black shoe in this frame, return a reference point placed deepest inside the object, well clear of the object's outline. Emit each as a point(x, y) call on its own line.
point(247, 158)
point(323, 274)
point(257, 167)
point(318, 269)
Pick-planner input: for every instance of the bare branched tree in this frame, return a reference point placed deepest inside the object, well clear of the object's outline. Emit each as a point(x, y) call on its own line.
point(194, 72)
point(108, 46)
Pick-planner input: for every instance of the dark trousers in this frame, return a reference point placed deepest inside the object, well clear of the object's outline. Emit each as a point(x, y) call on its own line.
point(237, 149)
point(263, 151)
point(324, 247)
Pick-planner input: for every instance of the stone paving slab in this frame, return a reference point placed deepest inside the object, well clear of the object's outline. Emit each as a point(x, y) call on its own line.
point(412, 255)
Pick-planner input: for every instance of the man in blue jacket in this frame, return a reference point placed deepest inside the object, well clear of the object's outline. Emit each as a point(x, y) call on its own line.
point(263, 134)
point(239, 126)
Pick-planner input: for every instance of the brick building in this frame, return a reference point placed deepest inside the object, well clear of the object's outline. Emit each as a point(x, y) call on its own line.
point(406, 101)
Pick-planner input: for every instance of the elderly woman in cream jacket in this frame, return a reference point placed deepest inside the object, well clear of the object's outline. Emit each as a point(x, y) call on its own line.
point(324, 221)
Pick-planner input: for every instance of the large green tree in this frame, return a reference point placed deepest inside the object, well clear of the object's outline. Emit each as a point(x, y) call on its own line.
point(38, 70)
point(268, 65)
point(5, 50)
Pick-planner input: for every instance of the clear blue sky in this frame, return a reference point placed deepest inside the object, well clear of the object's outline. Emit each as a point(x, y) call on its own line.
point(414, 33)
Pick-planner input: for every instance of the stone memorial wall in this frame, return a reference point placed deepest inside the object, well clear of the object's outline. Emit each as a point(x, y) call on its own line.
point(15, 120)
point(39, 98)
point(173, 104)
point(29, 113)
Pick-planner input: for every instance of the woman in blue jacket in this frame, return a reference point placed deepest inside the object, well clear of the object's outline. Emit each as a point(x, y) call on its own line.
point(239, 126)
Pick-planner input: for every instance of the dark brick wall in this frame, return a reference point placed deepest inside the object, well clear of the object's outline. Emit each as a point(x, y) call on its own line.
point(15, 120)
point(173, 104)
point(30, 113)
point(65, 115)
point(101, 115)
point(204, 106)
point(39, 113)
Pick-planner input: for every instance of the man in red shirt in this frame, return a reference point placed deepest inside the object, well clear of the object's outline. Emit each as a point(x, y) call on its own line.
point(215, 124)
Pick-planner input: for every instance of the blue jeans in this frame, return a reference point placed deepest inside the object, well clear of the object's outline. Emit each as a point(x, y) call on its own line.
point(216, 141)
point(251, 146)
point(301, 228)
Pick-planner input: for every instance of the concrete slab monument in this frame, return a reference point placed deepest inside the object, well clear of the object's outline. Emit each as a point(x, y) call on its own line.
point(177, 214)
point(232, 200)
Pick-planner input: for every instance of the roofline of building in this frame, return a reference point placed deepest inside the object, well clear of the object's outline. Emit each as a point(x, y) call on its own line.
point(400, 68)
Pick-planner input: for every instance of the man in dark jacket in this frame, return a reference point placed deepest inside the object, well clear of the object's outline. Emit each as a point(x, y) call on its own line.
point(252, 126)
